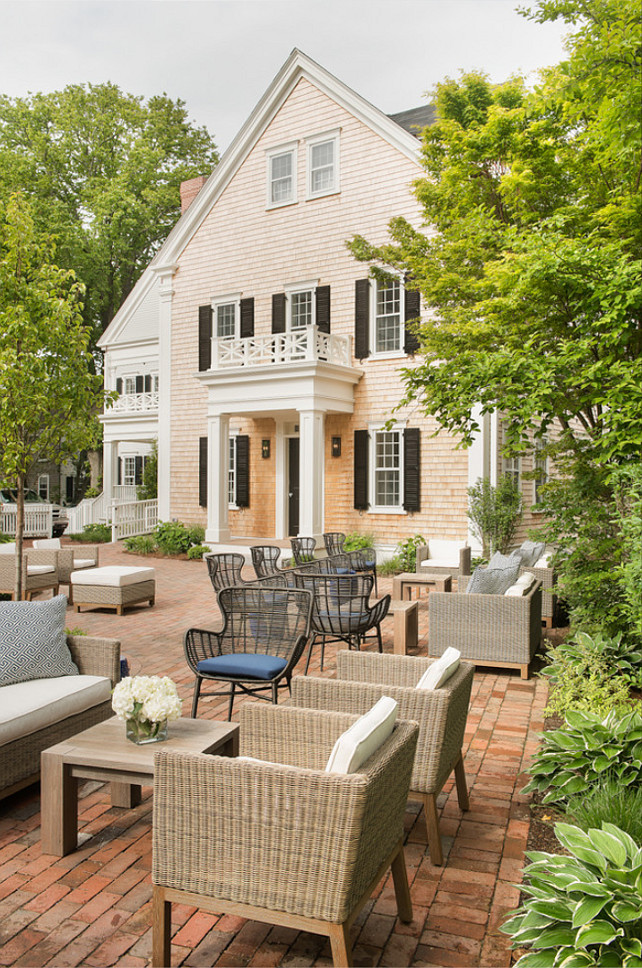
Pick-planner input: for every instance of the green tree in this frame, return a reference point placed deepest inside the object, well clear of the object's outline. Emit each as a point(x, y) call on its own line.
point(102, 171)
point(48, 390)
point(495, 513)
point(534, 269)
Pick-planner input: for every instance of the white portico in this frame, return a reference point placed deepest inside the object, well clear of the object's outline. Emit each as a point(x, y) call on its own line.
point(296, 378)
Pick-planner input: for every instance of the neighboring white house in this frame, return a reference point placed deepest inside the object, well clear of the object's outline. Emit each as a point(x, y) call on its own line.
point(259, 354)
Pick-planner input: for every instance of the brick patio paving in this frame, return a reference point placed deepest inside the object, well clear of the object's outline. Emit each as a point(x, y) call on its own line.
point(93, 906)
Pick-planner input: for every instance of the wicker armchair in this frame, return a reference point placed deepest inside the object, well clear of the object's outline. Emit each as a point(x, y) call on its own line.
point(280, 841)
point(548, 578)
point(225, 570)
point(265, 559)
point(264, 634)
point(68, 559)
point(342, 611)
point(443, 557)
point(489, 630)
point(334, 542)
point(303, 549)
point(35, 577)
point(362, 678)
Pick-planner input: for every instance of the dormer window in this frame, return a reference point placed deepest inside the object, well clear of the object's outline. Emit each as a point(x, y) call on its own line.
point(323, 164)
point(282, 176)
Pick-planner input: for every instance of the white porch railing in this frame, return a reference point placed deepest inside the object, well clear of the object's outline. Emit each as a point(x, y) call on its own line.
point(93, 510)
point(125, 492)
point(301, 345)
point(38, 520)
point(134, 403)
point(132, 518)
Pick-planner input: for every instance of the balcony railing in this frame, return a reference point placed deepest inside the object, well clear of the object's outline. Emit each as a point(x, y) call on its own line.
point(297, 346)
point(135, 403)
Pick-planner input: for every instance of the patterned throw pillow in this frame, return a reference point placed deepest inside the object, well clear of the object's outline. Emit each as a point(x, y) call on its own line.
point(500, 574)
point(531, 551)
point(32, 641)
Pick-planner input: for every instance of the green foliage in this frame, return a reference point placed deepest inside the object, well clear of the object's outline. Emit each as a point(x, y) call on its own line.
point(583, 909)
point(197, 551)
point(495, 513)
point(141, 544)
point(406, 552)
point(587, 752)
point(103, 170)
point(593, 687)
point(609, 802)
point(584, 650)
point(196, 534)
point(93, 534)
point(356, 541)
point(148, 490)
point(175, 538)
point(627, 486)
point(393, 566)
point(6, 538)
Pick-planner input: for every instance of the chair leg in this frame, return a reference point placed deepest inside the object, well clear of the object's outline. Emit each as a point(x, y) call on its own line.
point(275, 693)
point(232, 692)
point(197, 692)
point(322, 651)
point(402, 890)
point(462, 787)
point(379, 638)
point(310, 647)
point(340, 944)
point(161, 929)
point(432, 829)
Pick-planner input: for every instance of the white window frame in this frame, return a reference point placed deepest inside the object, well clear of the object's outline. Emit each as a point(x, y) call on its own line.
point(314, 141)
point(271, 155)
point(129, 460)
point(512, 466)
point(374, 431)
point(295, 289)
point(129, 385)
point(540, 466)
point(43, 492)
point(375, 288)
point(231, 471)
point(218, 302)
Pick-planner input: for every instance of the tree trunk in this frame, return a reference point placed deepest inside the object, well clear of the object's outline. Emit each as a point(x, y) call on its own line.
point(20, 529)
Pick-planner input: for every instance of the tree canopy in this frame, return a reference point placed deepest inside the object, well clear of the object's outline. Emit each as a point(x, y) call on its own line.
point(532, 263)
point(101, 169)
point(49, 394)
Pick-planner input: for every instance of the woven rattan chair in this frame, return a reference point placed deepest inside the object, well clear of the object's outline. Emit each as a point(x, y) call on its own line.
point(303, 549)
point(334, 542)
point(362, 678)
point(280, 841)
point(342, 611)
point(264, 634)
point(35, 577)
point(265, 559)
point(225, 570)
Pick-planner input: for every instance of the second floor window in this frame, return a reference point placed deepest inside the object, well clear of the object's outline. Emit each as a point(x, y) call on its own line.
point(301, 309)
point(388, 335)
point(226, 320)
point(282, 176)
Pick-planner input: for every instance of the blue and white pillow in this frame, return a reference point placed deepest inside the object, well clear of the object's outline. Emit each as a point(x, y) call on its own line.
point(33, 643)
point(500, 574)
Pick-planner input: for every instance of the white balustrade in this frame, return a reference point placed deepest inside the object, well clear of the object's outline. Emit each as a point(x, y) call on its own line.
point(38, 520)
point(133, 517)
point(135, 403)
point(307, 344)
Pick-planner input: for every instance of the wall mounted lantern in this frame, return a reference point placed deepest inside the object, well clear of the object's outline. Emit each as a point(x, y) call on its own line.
point(265, 448)
point(336, 446)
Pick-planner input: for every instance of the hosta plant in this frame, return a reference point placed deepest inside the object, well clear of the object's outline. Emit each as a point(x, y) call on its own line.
point(588, 751)
point(583, 909)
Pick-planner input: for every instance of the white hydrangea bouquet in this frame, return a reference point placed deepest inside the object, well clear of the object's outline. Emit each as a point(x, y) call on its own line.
point(146, 704)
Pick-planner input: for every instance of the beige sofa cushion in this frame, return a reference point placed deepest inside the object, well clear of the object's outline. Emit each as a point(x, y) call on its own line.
point(26, 707)
point(112, 576)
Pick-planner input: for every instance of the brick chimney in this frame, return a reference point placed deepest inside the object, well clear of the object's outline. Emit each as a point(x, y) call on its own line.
point(189, 191)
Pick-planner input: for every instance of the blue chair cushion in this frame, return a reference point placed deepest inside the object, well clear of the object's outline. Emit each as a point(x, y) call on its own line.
point(244, 665)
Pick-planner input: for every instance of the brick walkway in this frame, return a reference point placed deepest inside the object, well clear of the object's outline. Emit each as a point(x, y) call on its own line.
point(93, 907)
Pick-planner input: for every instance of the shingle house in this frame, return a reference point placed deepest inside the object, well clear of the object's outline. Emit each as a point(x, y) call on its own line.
point(262, 357)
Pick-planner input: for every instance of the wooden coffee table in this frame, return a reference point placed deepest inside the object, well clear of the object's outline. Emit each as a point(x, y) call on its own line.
point(403, 584)
point(102, 752)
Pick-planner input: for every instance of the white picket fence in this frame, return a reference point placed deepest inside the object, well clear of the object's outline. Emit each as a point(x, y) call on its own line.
point(133, 517)
point(93, 510)
point(38, 520)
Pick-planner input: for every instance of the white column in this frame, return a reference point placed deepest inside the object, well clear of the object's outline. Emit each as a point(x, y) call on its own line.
point(110, 469)
point(166, 291)
point(218, 455)
point(280, 481)
point(311, 472)
point(478, 463)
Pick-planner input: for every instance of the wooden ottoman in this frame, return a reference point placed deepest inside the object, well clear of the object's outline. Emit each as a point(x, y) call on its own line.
point(113, 586)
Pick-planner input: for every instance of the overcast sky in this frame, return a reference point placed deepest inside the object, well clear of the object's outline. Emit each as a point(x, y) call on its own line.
point(219, 56)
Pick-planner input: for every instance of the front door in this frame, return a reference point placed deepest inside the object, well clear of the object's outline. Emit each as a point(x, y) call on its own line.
point(293, 486)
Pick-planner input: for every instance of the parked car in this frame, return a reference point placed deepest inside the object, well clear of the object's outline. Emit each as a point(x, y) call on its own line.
point(60, 521)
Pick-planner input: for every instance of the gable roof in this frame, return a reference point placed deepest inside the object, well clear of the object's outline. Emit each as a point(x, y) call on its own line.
point(297, 65)
point(416, 118)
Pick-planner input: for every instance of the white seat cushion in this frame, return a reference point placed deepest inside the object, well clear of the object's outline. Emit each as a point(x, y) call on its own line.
point(47, 543)
point(429, 563)
point(442, 548)
point(26, 707)
point(84, 563)
point(112, 576)
point(441, 670)
point(363, 738)
point(40, 569)
point(8, 548)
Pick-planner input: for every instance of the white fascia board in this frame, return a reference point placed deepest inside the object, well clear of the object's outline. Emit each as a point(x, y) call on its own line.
point(128, 309)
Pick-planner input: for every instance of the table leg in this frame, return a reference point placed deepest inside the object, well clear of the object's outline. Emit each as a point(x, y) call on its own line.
point(58, 806)
point(126, 795)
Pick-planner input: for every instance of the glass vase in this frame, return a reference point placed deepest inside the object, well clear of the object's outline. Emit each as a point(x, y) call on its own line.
point(146, 731)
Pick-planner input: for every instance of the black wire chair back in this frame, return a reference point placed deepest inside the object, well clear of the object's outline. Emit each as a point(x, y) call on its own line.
point(303, 549)
point(334, 542)
point(265, 560)
point(225, 569)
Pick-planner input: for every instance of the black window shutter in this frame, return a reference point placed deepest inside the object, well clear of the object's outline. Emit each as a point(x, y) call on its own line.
point(411, 341)
point(247, 317)
point(204, 339)
point(411, 470)
point(120, 470)
point(148, 383)
point(138, 470)
point(361, 444)
point(243, 471)
point(278, 312)
point(202, 472)
point(362, 318)
point(323, 308)
point(140, 384)
point(119, 385)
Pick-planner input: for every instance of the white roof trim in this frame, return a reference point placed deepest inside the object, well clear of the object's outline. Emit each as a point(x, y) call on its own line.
point(297, 65)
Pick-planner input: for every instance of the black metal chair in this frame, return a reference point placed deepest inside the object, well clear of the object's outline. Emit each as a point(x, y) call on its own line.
point(264, 634)
point(225, 570)
point(303, 549)
point(342, 611)
point(265, 560)
point(370, 563)
point(334, 542)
